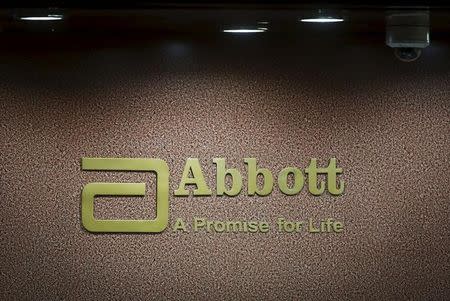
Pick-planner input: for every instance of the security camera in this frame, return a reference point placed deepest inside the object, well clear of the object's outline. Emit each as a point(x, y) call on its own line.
point(407, 54)
point(408, 33)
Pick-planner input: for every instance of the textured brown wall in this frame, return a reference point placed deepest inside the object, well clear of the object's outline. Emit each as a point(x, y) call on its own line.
point(280, 100)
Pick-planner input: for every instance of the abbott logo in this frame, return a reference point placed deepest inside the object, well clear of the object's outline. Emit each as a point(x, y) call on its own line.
point(91, 190)
point(260, 183)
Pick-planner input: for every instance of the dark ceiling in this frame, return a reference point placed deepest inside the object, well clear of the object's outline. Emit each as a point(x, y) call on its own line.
point(103, 4)
point(202, 16)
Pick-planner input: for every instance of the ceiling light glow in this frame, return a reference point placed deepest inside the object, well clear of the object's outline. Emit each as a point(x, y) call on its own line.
point(245, 30)
point(43, 18)
point(322, 20)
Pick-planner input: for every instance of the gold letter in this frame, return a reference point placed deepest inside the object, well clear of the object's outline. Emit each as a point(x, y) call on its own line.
point(179, 225)
point(253, 178)
point(199, 223)
point(312, 172)
point(222, 173)
point(298, 180)
point(332, 172)
point(192, 165)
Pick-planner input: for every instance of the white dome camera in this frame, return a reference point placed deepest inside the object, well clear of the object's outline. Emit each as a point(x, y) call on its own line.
point(408, 32)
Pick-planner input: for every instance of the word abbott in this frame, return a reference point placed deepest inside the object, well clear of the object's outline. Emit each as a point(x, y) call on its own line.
point(315, 186)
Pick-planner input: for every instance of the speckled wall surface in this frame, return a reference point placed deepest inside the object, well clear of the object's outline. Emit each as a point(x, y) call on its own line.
point(282, 101)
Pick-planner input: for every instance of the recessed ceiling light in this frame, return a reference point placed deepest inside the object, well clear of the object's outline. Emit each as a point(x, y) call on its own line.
point(42, 18)
point(322, 20)
point(245, 30)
